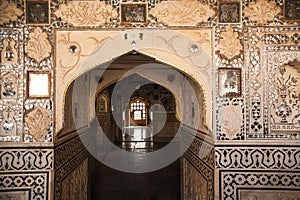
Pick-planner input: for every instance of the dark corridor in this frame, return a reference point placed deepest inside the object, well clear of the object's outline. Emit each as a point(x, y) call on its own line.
point(110, 184)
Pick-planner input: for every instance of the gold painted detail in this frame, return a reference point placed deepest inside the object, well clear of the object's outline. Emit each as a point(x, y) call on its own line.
point(230, 45)
point(9, 11)
point(86, 13)
point(38, 47)
point(182, 13)
point(38, 121)
point(262, 11)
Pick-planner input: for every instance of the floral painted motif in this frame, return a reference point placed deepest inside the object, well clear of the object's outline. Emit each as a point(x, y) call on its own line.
point(188, 13)
point(9, 11)
point(230, 45)
point(87, 13)
point(38, 121)
point(262, 11)
point(38, 46)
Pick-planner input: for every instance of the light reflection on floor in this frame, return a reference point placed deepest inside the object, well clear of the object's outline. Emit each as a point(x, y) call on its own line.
point(138, 139)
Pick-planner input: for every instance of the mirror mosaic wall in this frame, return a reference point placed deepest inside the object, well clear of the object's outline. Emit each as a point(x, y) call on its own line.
point(254, 71)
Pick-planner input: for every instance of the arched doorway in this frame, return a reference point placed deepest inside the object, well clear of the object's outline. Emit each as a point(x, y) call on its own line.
point(163, 47)
point(167, 82)
point(141, 116)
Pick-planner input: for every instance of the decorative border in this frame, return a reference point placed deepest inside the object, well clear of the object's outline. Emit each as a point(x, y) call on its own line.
point(233, 180)
point(26, 159)
point(36, 182)
point(255, 157)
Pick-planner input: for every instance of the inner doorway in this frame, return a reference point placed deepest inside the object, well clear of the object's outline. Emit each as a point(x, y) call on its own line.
point(143, 129)
point(138, 112)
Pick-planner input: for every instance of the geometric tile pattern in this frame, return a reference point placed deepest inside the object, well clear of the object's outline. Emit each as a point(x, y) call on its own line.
point(36, 183)
point(233, 181)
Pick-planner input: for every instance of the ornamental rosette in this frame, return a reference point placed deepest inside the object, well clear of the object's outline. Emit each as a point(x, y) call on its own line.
point(229, 44)
point(262, 11)
point(86, 13)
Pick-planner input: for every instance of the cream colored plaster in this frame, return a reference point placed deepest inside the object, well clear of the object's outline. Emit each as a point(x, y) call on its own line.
point(97, 47)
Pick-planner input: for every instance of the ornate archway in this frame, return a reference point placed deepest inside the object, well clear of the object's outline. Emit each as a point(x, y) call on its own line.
point(77, 52)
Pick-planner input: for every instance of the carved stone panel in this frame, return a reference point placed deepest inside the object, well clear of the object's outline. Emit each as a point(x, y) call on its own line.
point(262, 11)
point(182, 13)
point(38, 46)
point(230, 45)
point(231, 118)
point(38, 121)
point(9, 54)
point(86, 13)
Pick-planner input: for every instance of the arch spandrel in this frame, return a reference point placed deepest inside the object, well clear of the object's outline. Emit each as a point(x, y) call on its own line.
point(80, 51)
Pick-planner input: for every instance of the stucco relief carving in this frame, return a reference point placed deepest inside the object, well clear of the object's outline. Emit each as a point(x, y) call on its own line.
point(38, 47)
point(231, 118)
point(86, 13)
point(38, 121)
point(182, 13)
point(230, 45)
point(262, 11)
point(9, 11)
